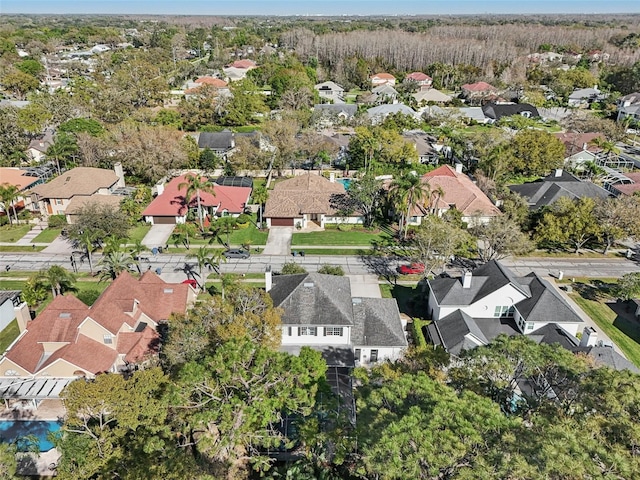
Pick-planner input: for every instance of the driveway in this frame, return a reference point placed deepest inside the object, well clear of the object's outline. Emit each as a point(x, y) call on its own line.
point(365, 286)
point(59, 245)
point(279, 241)
point(158, 236)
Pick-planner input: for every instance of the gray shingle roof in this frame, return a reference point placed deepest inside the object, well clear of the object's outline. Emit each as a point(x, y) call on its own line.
point(216, 140)
point(499, 110)
point(377, 323)
point(553, 333)
point(8, 295)
point(545, 303)
point(337, 108)
point(313, 299)
point(450, 331)
point(608, 357)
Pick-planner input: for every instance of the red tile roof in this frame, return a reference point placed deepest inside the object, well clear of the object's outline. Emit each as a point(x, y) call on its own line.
point(383, 75)
point(478, 87)
point(246, 64)
point(418, 76)
point(460, 191)
point(17, 177)
point(138, 345)
point(171, 202)
point(86, 354)
point(575, 142)
point(214, 82)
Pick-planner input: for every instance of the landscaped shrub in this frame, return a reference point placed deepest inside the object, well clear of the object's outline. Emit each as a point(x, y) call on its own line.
point(243, 218)
point(88, 297)
point(57, 221)
point(292, 268)
point(331, 270)
point(345, 227)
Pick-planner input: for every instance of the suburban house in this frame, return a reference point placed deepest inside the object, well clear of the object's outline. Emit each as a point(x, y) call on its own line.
point(560, 183)
point(171, 205)
point(472, 310)
point(423, 80)
point(424, 145)
point(579, 148)
point(450, 188)
point(307, 200)
point(629, 107)
point(583, 97)
point(330, 91)
point(384, 93)
point(193, 88)
point(53, 198)
point(238, 69)
point(496, 111)
point(379, 113)
point(220, 142)
point(320, 312)
point(328, 114)
point(69, 339)
point(22, 180)
point(627, 183)
point(431, 96)
point(603, 355)
point(78, 203)
point(38, 147)
point(382, 78)
point(476, 93)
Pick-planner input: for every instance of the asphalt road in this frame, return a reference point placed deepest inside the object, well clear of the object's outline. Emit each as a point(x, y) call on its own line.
point(605, 267)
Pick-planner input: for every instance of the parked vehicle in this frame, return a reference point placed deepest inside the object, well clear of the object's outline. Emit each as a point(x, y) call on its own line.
point(412, 269)
point(236, 253)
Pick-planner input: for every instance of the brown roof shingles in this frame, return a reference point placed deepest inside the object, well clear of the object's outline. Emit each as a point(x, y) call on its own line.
point(77, 181)
point(302, 194)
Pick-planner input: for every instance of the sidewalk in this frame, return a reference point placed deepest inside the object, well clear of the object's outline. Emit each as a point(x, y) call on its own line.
point(31, 234)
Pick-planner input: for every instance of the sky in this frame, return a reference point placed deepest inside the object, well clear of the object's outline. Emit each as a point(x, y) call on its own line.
point(317, 7)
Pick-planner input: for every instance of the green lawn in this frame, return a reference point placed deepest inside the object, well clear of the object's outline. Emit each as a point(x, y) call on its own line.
point(333, 251)
point(336, 237)
point(408, 297)
point(48, 235)
point(13, 233)
point(624, 333)
point(8, 335)
point(138, 232)
point(20, 248)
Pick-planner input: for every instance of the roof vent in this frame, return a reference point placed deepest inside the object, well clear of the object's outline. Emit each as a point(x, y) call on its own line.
point(65, 315)
point(308, 284)
point(168, 290)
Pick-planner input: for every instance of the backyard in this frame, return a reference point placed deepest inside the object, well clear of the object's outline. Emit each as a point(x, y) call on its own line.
point(612, 317)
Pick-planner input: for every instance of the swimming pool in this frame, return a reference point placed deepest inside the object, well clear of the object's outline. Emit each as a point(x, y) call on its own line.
point(11, 431)
point(346, 182)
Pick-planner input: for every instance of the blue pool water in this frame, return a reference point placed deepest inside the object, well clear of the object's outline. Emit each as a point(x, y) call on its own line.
point(346, 182)
point(17, 431)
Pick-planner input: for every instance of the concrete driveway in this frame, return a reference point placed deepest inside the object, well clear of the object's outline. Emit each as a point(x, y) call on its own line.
point(158, 236)
point(279, 241)
point(365, 286)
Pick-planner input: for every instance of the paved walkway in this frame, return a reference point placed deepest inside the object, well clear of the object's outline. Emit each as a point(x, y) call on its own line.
point(279, 241)
point(31, 234)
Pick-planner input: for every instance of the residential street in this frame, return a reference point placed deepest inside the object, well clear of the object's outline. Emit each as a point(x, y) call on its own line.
point(589, 267)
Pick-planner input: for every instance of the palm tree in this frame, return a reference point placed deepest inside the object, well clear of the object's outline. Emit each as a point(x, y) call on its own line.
point(87, 240)
point(8, 196)
point(135, 250)
point(206, 257)
point(63, 149)
point(408, 191)
point(114, 263)
point(260, 196)
point(608, 147)
point(112, 244)
point(182, 234)
point(434, 198)
point(194, 185)
point(58, 279)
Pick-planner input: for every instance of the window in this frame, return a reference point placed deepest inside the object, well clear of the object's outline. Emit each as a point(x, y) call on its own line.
point(308, 331)
point(503, 311)
point(529, 326)
point(332, 331)
point(357, 354)
point(58, 201)
point(107, 339)
point(11, 373)
point(374, 356)
point(289, 332)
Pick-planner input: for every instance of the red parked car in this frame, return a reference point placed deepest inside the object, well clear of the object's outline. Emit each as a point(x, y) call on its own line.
point(413, 269)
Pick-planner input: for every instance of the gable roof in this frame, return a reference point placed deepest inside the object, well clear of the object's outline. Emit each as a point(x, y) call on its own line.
point(329, 85)
point(214, 82)
point(376, 323)
point(84, 353)
point(78, 202)
point(418, 76)
point(303, 194)
point(313, 299)
point(172, 202)
point(450, 332)
point(545, 302)
point(77, 181)
point(548, 190)
point(460, 191)
point(498, 110)
point(216, 140)
point(385, 89)
point(551, 334)
point(606, 356)
point(478, 87)
point(244, 64)
point(384, 110)
point(348, 109)
point(383, 76)
point(431, 95)
point(576, 142)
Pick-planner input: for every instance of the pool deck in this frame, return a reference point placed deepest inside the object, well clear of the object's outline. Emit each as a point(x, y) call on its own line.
point(38, 465)
point(51, 410)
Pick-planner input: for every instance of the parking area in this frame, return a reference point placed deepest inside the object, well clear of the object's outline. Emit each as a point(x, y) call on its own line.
point(279, 241)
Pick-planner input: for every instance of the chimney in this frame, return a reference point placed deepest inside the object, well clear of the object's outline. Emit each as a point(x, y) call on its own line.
point(589, 337)
point(268, 279)
point(558, 172)
point(332, 177)
point(23, 316)
point(584, 146)
point(458, 167)
point(159, 188)
point(466, 279)
point(117, 167)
